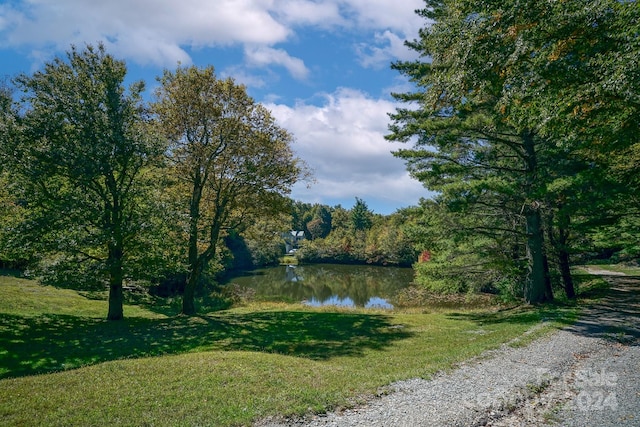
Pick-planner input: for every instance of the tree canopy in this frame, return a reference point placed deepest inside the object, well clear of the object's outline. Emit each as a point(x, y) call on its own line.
point(230, 160)
point(78, 155)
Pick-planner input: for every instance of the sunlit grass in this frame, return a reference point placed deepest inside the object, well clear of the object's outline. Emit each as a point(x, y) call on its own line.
point(621, 268)
point(629, 270)
point(64, 365)
point(28, 298)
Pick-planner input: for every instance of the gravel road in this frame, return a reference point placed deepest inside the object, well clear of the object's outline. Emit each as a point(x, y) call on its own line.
point(585, 375)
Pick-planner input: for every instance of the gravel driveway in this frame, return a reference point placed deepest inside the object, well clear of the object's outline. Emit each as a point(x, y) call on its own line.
point(585, 375)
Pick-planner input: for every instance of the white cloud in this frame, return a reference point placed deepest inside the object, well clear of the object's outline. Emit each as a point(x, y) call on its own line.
point(148, 30)
point(263, 56)
point(306, 12)
point(241, 76)
point(397, 15)
point(161, 31)
point(388, 47)
point(342, 140)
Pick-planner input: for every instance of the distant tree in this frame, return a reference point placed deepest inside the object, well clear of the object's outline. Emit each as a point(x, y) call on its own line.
point(320, 226)
point(361, 216)
point(340, 219)
point(231, 161)
point(8, 205)
point(387, 244)
point(301, 213)
point(80, 159)
point(264, 239)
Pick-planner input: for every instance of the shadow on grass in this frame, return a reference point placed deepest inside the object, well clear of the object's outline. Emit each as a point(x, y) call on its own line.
point(564, 313)
point(609, 309)
point(612, 310)
point(30, 345)
point(11, 272)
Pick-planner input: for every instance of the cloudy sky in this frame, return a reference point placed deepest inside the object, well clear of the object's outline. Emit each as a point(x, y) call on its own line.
point(321, 67)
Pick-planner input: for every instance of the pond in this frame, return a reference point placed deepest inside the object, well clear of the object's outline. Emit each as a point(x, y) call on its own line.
point(328, 284)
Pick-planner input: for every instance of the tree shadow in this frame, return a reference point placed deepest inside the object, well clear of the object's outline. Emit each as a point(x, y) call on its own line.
point(559, 312)
point(31, 345)
point(615, 314)
point(612, 312)
point(10, 272)
point(518, 315)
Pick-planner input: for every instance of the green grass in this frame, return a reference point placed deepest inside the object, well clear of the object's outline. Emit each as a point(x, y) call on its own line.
point(621, 268)
point(289, 260)
point(62, 364)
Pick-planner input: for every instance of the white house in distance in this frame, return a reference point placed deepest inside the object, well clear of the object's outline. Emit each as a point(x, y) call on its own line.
point(291, 240)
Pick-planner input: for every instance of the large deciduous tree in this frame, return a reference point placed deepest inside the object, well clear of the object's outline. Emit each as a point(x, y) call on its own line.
point(9, 208)
point(230, 159)
point(79, 157)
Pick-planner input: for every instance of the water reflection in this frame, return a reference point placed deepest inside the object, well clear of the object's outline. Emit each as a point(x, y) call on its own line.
point(329, 284)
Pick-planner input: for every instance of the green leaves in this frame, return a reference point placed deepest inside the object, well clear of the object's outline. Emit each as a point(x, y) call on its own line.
point(513, 99)
point(80, 156)
point(231, 162)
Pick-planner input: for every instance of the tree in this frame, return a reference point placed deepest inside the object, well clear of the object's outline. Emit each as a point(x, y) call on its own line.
point(484, 164)
point(504, 99)
point(320, 226)
point(10, 211)
point(596, 113)
point(361, 217)
point(231, 161)
point(80, 159)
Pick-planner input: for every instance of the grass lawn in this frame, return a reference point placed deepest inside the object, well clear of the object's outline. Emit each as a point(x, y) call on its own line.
point(61, 363)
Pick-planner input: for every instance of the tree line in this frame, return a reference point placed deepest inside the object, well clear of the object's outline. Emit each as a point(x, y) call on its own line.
point(352, 236)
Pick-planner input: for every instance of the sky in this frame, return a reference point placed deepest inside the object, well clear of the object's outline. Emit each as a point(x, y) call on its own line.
point(321, 66)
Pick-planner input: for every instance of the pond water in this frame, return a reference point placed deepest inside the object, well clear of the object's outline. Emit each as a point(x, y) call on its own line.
point(328, 284)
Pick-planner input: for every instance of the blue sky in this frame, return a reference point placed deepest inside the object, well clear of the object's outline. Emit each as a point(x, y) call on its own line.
point(320, 66)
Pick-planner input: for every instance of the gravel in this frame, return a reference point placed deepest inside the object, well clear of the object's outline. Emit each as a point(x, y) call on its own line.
point(588, 374)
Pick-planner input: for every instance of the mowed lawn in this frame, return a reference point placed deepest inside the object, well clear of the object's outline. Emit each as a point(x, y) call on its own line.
point(61, 363)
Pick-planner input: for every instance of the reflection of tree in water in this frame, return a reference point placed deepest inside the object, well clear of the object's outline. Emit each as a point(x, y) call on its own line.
point(328, 282)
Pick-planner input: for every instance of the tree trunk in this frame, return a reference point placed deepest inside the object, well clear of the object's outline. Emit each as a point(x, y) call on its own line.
point(548, 289)
point(537, 285)
point(116, 300)
point(560, 247)
point(116, 296)
point(197, 264)
point(188, 298)
point(565, 272)
point(563, 256)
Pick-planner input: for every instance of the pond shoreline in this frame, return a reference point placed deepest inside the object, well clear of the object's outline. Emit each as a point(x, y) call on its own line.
point(364, 286)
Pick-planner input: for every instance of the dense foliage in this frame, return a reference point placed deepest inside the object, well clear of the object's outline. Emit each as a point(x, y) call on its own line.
point(521, 112)
point(354, 236)
point(230, 162)
point(105, 190)
point(78, 154)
